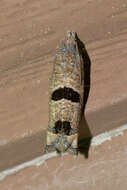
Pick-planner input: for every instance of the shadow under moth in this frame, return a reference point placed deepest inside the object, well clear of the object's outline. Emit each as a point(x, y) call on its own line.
point(66, 96)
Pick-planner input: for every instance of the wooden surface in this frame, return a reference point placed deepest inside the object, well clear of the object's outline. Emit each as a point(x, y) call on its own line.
point(29, 33)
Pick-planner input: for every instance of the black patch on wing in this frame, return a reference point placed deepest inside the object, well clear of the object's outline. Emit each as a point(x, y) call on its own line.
point(57, 129)
point(66, 93)
point(62, 127)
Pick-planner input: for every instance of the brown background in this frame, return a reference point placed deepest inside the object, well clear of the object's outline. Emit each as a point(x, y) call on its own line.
point(29, 33)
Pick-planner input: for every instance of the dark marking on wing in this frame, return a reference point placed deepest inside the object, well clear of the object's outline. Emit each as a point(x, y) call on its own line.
point(62, 127)
point(66, 93)
point(67, 132)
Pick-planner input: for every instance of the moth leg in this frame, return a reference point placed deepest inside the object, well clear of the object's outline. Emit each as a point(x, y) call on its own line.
point(49, 148)
point(72, 150)
point(50, 142)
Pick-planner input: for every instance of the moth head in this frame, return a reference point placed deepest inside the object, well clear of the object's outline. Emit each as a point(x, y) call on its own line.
point(62, 143)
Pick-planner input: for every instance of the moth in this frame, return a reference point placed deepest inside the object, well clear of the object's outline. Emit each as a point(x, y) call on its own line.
point(66, 96)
